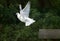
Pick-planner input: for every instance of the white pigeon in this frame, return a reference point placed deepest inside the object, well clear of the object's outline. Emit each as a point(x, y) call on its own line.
point(23, 16)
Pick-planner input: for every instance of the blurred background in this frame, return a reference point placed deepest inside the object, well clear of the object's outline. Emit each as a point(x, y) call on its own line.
point(45, 12)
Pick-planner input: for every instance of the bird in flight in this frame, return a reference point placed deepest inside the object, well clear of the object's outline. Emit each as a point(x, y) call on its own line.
point(23, 16)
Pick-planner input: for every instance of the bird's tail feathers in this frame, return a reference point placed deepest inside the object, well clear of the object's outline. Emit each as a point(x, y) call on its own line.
point(28, 23)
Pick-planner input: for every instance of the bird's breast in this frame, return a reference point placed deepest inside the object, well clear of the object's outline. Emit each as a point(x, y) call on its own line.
point(21, 18)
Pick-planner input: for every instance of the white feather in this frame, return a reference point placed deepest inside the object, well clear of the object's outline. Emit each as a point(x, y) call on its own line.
point(26, 10)
point(23, 16)
point(29, 21)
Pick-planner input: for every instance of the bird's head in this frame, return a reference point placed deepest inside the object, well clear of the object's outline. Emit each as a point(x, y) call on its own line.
point(17, 14)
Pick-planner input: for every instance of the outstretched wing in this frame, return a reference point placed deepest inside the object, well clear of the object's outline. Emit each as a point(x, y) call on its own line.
point(20, 7)
point(26, 10)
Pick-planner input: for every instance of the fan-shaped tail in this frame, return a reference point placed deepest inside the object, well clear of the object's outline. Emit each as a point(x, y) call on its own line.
point(29, 22)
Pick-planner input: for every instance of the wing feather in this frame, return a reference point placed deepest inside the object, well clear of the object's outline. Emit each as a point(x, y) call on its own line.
point(20, 7)
point(26, 10)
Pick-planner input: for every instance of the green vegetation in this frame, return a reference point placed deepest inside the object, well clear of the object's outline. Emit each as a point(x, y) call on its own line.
point(45, 12)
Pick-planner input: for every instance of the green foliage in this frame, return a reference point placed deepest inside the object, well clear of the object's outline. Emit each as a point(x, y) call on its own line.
point(11, 29)
point(8, 15)
point(35, 14)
